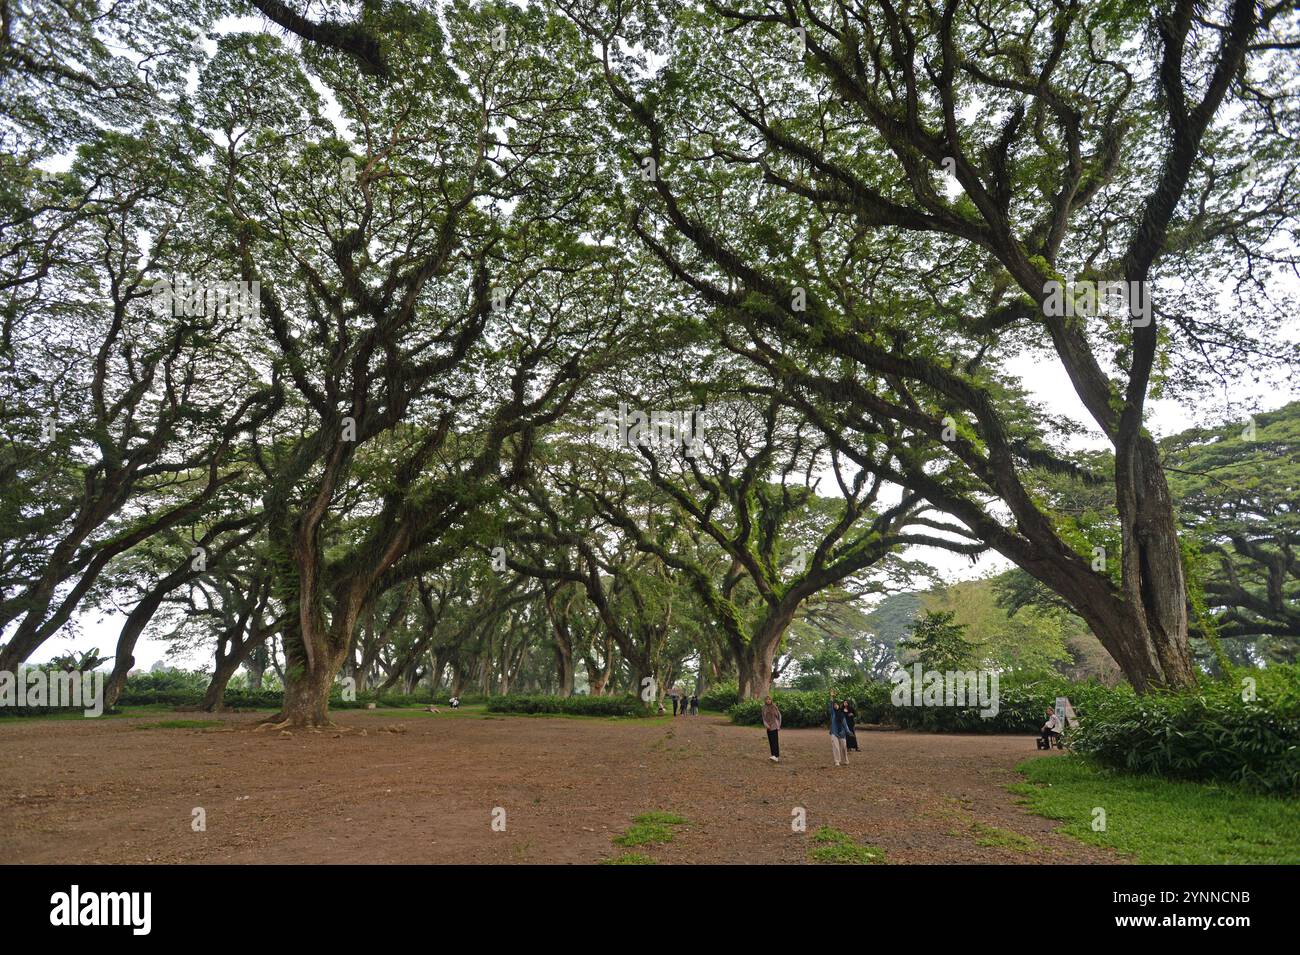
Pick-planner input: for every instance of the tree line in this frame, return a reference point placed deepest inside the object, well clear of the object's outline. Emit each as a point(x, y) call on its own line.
point(406, 338)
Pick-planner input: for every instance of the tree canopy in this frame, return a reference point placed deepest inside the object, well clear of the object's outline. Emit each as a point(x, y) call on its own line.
point(607, 344)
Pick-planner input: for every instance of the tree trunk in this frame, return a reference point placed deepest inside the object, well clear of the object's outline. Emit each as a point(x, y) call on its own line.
point(135, 624)
point(1153, 574)
point(256, 665)
point(564, 667)
point(214, 696)
point(308, 678)
point(754, 670)
point(307, 697)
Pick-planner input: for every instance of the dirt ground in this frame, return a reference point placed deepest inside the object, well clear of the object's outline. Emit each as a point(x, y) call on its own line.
point(117, 790)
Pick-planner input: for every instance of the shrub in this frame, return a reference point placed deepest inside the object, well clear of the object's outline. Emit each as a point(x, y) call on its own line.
point(1203, 735)
point(1207, 734)
point(720, 698)
point(570, 705)
point(798, 709)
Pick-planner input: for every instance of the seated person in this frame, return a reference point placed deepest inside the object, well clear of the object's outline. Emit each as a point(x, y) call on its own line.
point(1052, 728)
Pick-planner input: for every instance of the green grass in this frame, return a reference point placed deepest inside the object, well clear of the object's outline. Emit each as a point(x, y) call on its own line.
point(629, 858)
point(986, 835)
point(479, 711)
point(1158, 821)
point(178, 725)
point(146, 709)
point(650, 829)
point(833, 847)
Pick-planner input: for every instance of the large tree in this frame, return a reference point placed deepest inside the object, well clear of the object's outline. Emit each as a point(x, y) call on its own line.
point(882, 206)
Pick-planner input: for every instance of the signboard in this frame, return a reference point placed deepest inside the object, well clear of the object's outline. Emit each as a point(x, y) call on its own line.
point(1065, 713)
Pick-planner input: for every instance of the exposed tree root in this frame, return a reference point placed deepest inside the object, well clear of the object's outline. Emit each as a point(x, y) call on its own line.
point(277, 722)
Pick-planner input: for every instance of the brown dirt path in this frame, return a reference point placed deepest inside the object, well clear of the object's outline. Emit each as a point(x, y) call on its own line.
point(110, 791)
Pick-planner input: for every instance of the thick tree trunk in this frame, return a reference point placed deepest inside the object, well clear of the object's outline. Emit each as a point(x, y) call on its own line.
point(1153, 578)
point(256, 665)
point(135, 624)
point(565, 669)
point(214, 696)
point(754, 664)
point(307, 697)
point(308, 679)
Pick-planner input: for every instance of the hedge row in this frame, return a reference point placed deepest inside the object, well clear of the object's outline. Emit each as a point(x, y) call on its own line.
point(1208, 734)
point(572, 705)
point(1211, 734)
point(720, 698)
point(189, 698)
point(1022, 705)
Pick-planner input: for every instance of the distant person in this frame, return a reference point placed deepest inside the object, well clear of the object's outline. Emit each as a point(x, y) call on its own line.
point(695, 703)
point(851, 724)
point(674, 703)
point(839, 731)
point(1051, 729)
point(772, 723)
point(455, 702)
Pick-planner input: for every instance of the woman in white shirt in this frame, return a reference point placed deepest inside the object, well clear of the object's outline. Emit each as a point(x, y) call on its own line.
point(1052, 728)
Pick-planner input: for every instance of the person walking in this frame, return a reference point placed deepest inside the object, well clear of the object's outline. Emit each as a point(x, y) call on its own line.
point(772, 723)
point(674, 696)
point(695, 703)
point(851, 723)
point(839, 730)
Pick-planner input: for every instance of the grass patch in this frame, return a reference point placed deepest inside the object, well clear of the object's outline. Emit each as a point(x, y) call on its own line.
point(1159, 821)
point(650, 829)
point(76, 713)
point(1003, 838)
point(629, 858)
point(833, 847)
point(178, 725)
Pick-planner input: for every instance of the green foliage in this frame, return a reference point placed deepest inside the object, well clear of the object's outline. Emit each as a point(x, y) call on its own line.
point(569, 705)
point(1207, 734)
point(798, 709)
point(1030, 639)
point(720, 698)
point(1237, 486)
point(937, 643)
point(1022, 702)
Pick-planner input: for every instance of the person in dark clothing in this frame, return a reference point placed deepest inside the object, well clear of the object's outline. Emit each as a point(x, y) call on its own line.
point(695, 704)
point(851, 722)
point(839, 731)
point(674, 704)
point(772, 723)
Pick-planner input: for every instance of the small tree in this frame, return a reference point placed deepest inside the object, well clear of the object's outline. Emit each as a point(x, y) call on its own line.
point(937, 643)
